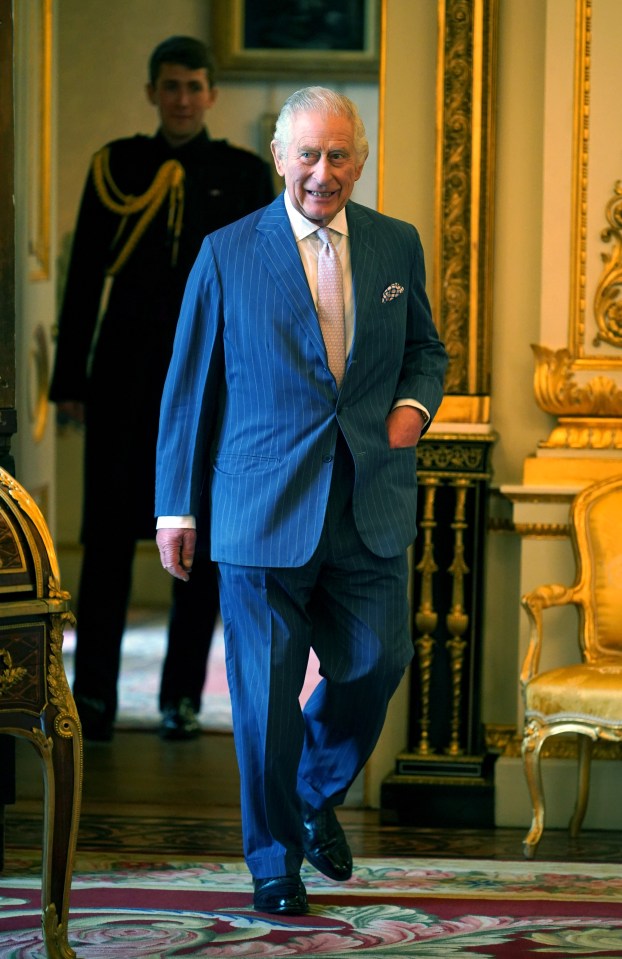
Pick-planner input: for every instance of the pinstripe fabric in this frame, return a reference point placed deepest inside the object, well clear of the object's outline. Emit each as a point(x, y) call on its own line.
point(311, 510)
point(350, 605)
point(261, 374)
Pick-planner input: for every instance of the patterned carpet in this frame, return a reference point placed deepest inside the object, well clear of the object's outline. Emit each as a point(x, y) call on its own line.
point(146, 908)
point(157, 887)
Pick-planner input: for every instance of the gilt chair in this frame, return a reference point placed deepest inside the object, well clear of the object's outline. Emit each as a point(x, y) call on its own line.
point(584, 698)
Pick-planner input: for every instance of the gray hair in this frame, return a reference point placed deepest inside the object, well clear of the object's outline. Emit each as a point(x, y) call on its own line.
point(324, 101)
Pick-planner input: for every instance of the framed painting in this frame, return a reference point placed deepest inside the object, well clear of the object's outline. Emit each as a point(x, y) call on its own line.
point(272, 39)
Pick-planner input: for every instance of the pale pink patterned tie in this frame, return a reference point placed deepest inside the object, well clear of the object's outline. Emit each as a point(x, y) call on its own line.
point(330, 304)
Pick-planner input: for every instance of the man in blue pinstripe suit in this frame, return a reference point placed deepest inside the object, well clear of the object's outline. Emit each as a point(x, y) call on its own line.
point(312, 481)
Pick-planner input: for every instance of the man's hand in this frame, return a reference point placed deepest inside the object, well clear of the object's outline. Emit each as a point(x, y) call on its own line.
point(177, 551)
point(404, 426)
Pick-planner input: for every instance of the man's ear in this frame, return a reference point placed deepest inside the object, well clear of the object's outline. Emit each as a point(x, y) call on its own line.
point(277, 160)
point(151, 93)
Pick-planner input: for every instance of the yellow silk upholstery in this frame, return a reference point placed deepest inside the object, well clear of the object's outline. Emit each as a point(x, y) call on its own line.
point(591, 692)
point(584, 698)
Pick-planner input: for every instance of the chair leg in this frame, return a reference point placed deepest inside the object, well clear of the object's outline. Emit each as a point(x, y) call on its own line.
point(586, 746)
point(532, 744)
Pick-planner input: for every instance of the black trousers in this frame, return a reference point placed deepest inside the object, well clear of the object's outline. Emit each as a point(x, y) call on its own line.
point(103, 599)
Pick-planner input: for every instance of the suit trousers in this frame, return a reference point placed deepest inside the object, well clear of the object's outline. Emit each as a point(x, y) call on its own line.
point(351, 607)
point(105, 584)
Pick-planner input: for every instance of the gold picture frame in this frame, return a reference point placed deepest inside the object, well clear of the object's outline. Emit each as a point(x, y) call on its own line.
point(339, 41)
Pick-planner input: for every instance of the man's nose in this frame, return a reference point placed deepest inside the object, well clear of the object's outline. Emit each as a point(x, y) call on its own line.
point(323, 169)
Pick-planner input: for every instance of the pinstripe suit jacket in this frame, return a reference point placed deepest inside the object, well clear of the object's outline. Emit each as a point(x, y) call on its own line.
point(251, 412)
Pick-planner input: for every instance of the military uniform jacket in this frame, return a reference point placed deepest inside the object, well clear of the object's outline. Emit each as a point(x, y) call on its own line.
point(118, 365)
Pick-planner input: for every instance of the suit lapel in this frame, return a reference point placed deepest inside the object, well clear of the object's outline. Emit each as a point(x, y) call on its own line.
point(364, 262)
point(282, 259)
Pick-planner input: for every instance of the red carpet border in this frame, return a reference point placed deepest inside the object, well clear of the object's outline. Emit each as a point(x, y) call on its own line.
point(146, 908)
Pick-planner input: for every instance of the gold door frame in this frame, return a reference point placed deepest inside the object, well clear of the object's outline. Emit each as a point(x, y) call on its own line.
point(462, 279)
point(464, 208)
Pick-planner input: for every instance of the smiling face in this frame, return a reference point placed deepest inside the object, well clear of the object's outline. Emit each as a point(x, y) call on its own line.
point(181, 96)
point(321, 166)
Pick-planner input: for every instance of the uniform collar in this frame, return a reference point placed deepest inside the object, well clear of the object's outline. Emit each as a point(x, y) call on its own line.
point(186, 149)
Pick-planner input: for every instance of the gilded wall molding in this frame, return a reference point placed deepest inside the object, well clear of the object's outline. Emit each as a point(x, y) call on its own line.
point(581, 142)
point(590, 413)
point(607, 306)
point(542, 530)
point(557, 390)
point(582, 383)
point(466, 88)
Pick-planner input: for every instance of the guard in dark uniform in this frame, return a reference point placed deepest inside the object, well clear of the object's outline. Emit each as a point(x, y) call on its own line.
point(147, 205)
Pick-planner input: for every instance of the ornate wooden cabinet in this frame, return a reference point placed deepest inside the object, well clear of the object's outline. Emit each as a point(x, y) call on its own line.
point(35, 700)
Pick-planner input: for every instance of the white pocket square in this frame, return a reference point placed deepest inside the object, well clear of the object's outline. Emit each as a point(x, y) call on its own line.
point(392, 292)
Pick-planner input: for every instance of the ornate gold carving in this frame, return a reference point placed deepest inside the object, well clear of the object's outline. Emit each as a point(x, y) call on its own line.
point(463, 193)
point(457, 620)
point(426, 618)
point(10, 675)
point(55, 935)
point(585, 433)
point(55, 592)
point(543, 530)
point(459, 456)
point(66, 722)
point(556, 391)
point(590, 415)
point(607, 306)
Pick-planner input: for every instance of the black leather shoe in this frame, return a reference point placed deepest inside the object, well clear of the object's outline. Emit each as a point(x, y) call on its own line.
point(325, 844)
point(179, 721)
point(94, 719)
point(280, 895)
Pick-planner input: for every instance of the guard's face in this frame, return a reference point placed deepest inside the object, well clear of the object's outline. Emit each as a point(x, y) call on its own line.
point(321, 166)
point(181, 96)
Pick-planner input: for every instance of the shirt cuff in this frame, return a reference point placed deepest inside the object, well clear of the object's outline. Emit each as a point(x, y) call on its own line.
point(176, 522)
point(417, 406)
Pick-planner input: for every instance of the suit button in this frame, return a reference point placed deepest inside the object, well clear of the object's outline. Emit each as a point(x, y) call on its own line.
point(327, 458)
